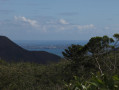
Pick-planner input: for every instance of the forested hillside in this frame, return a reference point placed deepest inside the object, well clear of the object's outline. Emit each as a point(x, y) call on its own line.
point(94, 66)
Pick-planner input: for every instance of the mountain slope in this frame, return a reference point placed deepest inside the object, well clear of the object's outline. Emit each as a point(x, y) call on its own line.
point(10, 51)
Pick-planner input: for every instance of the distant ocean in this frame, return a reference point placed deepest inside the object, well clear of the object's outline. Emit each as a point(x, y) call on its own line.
point(51, 46)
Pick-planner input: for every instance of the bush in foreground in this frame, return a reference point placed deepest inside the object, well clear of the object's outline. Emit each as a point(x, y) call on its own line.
point(96, 82)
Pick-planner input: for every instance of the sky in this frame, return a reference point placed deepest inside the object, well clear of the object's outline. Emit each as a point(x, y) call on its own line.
point(58, 19)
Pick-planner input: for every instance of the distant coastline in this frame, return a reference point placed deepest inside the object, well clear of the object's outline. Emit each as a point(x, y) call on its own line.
point(52, 46)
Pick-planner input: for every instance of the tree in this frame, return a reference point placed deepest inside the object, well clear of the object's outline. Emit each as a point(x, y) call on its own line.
point(98, 46)
point(75, 54)
point(99, 51)
point(95, 48)
point(116, 36)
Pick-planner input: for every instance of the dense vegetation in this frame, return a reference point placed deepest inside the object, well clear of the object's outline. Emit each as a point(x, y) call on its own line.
point(100, 55)
point(31, 76)
point(94, 66)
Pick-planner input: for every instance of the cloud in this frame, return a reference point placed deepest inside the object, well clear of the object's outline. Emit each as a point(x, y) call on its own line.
point(33, 23)
point(54, 25)
point(90, 26)
point(107, 28)
point(41, 28)
point(59, 21)
point(67, 27)
point(62, 21)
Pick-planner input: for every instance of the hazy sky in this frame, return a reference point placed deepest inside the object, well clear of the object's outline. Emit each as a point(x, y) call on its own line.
point(58, 19)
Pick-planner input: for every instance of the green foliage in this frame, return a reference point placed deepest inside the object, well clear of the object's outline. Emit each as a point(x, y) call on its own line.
point(96, 45)
point(30, 76)
point(73, 52)
point(96, 82)
point(99, 45)
point(116, 36)
point(79, 61)
point(97, 51)
point(104, 58)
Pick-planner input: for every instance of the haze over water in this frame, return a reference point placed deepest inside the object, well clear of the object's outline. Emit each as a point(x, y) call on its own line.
point(51, 46)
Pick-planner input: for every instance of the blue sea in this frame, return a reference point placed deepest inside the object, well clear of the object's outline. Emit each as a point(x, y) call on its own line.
point(51, 46)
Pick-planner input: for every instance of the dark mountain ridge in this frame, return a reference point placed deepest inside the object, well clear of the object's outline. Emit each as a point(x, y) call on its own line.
point(10, 51)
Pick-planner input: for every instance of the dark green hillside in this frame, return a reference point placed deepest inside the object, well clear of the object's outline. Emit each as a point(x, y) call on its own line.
point(10, 51)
